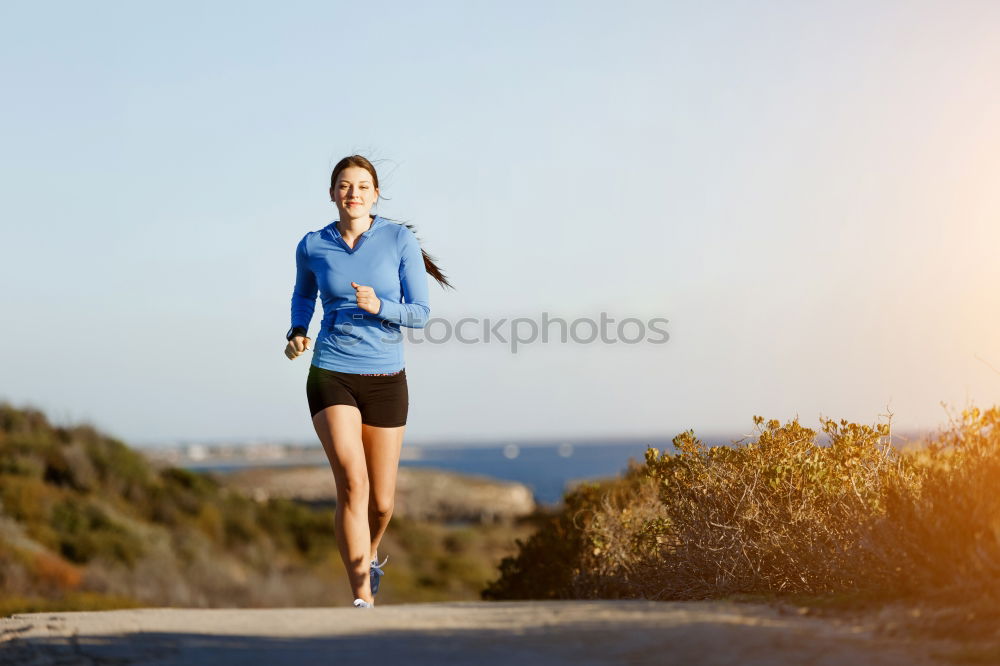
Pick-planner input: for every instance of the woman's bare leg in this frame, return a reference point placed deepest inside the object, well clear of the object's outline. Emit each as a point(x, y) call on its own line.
point(382, 447)
point(339, 429)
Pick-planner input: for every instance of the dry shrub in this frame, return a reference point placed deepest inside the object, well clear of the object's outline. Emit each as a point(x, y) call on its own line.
point(622, 530)
point(783, 513)
point(780, 513)
point(941, 537)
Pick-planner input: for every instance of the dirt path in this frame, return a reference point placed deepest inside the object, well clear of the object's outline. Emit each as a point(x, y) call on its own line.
point(480, 633)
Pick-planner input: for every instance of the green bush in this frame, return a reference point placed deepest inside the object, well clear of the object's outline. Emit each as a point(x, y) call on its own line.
point(548, 563)
point(87, 531)
point(296, 527)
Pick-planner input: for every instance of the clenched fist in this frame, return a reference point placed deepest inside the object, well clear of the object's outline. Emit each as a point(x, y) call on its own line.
point(367, 300)
point(296, 347)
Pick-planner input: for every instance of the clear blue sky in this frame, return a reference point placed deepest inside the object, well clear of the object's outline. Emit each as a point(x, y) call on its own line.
point(808, 192)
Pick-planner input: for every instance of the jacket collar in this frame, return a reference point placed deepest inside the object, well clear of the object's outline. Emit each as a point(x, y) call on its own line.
point(376, 223)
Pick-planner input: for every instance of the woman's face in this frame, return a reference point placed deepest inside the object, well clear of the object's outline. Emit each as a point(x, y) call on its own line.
point(354, 192)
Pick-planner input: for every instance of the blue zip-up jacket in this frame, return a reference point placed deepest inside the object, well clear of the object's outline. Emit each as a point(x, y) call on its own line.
point(388, 259)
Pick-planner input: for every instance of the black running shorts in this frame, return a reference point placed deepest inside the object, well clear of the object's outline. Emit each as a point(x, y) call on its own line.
point(383, 400)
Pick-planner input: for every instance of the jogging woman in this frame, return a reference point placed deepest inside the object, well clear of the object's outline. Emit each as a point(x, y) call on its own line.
point(371, 275)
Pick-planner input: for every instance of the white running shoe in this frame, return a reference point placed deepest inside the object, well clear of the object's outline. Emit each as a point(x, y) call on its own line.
point(361, 603)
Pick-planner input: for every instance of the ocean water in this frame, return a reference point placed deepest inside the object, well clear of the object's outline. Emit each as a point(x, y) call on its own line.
point(546, 469)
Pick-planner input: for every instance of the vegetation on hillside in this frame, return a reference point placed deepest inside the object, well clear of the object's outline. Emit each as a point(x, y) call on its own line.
point(87, 522)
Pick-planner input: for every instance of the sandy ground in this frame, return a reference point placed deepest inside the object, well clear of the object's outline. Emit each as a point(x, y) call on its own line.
point(481, 633)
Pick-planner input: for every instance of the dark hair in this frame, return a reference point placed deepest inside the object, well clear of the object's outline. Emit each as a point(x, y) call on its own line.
point(359, 161)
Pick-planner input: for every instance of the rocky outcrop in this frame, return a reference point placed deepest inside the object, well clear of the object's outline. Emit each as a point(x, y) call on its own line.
point(421, 493)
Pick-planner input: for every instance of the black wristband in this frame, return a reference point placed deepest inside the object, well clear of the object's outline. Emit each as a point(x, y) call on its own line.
point(296, 330)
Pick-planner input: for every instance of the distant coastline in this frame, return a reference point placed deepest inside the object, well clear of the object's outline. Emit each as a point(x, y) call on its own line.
point(548, 467)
